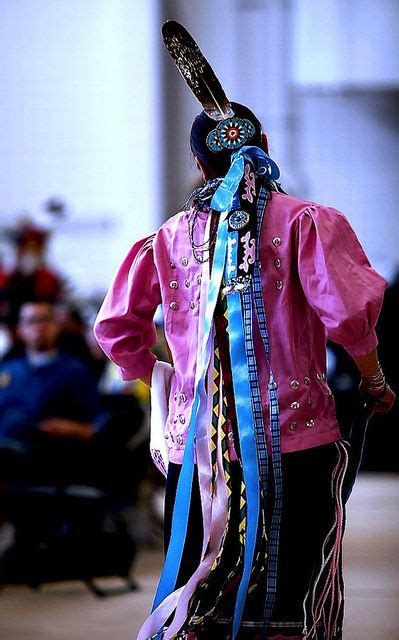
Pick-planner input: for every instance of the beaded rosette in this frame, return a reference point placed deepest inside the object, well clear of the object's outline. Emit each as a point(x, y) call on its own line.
point(231, 133)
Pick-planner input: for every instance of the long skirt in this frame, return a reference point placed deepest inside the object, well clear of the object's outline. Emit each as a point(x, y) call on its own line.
point(309, 588)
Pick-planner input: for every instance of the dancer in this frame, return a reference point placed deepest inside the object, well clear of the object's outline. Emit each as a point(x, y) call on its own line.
point(251, 282)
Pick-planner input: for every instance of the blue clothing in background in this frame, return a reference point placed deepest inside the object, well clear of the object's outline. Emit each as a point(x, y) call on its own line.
point(60, 388)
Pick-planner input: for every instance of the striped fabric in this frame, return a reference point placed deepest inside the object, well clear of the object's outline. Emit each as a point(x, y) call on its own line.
point(274, 536)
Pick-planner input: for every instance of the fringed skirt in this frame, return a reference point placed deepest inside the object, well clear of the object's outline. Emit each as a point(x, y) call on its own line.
point(309, 598)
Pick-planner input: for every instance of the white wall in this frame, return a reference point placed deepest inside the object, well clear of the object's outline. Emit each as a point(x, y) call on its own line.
point(346, 43)
point(345, 77)
point(351, 145)
point(79, 119)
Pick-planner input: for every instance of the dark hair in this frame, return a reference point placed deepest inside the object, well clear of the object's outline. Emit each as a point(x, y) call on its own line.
point(219, 162)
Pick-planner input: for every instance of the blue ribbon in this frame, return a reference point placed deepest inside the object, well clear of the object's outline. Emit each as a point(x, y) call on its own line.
point(274, 535)
point(246, 433)
point(264, 166)
point(225, 198)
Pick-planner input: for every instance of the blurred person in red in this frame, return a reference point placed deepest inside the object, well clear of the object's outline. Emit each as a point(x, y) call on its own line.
point(29, 276)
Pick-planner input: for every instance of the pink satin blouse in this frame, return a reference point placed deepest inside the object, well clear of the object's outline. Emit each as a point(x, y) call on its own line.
point(317, 283)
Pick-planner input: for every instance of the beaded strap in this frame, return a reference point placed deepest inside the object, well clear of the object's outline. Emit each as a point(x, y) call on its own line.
point(274, 536)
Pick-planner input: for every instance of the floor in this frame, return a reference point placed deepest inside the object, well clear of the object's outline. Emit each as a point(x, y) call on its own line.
point(68, 611)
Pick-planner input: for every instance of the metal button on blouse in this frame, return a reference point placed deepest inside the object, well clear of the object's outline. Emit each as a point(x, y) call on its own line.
point(183, 397)
point(294, 405)
point(184, 262)
point(294, 384)
point(293, 425)
point(277, 263)
point(182, 419)
point(318, 376)
point(174, 306)
point(179, 440)
point(192, 304)
point(187, 283)
point(279, 284)
point(306, 381)
point(174, 284)
point(310, 424)
point(276, 241)
point(172, 265)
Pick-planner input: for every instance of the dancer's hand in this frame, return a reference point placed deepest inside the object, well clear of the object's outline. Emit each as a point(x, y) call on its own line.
point(384, 399)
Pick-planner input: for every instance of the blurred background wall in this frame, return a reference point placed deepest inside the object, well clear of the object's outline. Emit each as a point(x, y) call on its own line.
point(94, 112)
point(80, 113)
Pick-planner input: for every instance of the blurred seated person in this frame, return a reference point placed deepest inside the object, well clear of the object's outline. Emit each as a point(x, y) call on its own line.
point(49, 405)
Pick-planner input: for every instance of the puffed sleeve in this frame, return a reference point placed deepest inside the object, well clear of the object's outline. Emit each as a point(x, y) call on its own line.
point(124, 327)
point(338, 280)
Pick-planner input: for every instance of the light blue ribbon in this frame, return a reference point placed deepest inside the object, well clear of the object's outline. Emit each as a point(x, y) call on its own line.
point(225, 198)
point(264, 166)
point(246, 431)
